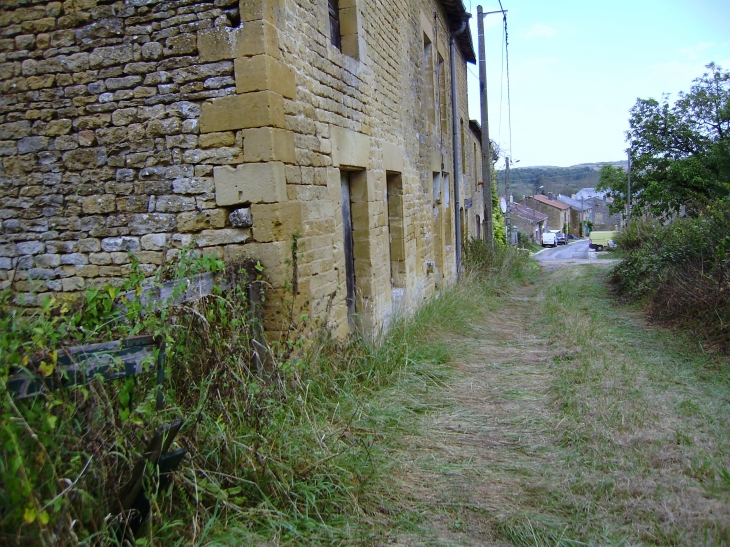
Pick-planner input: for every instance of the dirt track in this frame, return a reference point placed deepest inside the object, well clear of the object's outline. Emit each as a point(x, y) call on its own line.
point(535, 441)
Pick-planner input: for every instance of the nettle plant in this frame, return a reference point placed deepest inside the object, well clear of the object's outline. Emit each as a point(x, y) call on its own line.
point(64, 454)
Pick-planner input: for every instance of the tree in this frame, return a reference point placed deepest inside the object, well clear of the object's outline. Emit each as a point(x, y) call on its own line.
point(500, 232)
point(615, 180)
point(680, 153)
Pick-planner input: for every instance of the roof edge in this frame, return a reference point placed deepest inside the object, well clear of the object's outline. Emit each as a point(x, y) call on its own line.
point(456, 13)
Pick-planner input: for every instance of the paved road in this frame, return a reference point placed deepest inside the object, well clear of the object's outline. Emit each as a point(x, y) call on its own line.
point(576, 252)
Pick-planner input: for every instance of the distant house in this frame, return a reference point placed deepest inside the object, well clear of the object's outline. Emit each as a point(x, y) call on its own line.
point(601, 216)
point(528, 221)
point(596, 203)
point(587, 193)
point(558, 212)
point(579, 211)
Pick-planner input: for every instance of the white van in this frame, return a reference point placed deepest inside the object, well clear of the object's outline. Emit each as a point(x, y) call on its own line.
point(549, 239)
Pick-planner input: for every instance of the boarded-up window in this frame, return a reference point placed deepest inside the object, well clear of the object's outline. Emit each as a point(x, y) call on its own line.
point(334, 11)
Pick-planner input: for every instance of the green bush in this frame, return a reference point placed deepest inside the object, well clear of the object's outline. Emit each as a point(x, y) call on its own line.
point(284, 449)
point(681, 271)
point(639, 231)
point(64, 454)
point(500, 265)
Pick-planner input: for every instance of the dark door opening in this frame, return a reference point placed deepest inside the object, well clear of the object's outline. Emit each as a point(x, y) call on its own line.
point(349, 248)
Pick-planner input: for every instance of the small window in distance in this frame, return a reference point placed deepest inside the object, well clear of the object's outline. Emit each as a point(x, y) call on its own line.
point(476, 172)
point(428, 103)
point(334, 16)
point(442, 96)
point(463, 149)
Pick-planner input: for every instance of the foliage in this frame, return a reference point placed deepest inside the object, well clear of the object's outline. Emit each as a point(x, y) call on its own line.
point(638, 232)
point(500, 232)
point(65, 453)
point(525, 181)
point(681, 271)
point(615, 180)
point(283, 440)
point(503, 264)
point(680, 153)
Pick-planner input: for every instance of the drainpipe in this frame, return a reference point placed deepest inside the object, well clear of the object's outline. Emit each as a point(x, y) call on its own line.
point(457, 150)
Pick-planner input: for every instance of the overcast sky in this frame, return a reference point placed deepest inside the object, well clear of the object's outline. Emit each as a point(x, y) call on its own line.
point(578, 66)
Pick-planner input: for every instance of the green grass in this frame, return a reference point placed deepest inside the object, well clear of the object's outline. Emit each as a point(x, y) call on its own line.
point(570, 422)
point(351, 402)
point(635, 406)
point(613, 254)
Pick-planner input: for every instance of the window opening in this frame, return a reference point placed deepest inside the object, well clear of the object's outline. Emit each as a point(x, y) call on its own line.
point(396, 231)
point(349, 245)
point(447, 209)
point(476, 173)
point(334, 16)
point(464, 226)
point(442, 97)
point(438, 227)
point(463, 149)
point(428, 103)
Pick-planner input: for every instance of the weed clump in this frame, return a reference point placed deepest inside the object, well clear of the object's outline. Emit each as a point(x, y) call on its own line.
point(283, 440)
point(681, 271)
point(498, 266)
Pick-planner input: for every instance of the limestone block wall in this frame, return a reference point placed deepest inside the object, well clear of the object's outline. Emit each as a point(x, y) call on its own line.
point(472, 191)
point(142, 126)
point(101, 152)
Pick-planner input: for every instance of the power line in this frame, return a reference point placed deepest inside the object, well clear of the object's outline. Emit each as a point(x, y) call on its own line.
point(509, 103)
point(506, 57)
point(501, 87)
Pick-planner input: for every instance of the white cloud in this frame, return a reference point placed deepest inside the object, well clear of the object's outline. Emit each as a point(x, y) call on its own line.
point(694, 52)
point(675, 76)
point(538, 30)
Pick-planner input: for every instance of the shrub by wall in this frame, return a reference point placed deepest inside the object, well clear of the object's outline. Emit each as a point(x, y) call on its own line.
point(681, 271)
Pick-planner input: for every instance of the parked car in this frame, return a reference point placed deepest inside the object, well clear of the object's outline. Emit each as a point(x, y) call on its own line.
point(549, 239)
point(562, 239)
point(600, 240)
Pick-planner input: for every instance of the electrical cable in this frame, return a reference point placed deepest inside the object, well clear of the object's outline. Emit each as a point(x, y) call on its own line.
point(501, 90)
point(509, 102)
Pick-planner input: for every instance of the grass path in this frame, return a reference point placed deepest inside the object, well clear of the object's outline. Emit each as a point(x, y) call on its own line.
point(568, 421)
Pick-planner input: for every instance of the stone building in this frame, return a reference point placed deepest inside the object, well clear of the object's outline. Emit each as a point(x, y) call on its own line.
point(139, 127)
point(558, 212)
point(528, 221)
point(600, 214)
point(597, 203)
point(579, 213)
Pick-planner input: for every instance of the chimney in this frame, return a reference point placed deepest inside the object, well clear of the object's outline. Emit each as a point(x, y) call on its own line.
point(550, 195)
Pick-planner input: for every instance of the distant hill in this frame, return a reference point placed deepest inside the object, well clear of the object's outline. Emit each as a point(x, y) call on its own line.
point(525, 181)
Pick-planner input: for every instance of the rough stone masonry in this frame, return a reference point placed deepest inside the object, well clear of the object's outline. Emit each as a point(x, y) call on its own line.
point(139, 127)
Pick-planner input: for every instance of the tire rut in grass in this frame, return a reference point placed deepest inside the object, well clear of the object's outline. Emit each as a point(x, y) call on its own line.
point(616, 434)
point(469, 462)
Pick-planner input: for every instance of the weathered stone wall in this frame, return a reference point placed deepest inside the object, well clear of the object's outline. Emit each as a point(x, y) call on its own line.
point(143, 126)
point(557, 217)
point(601, 216)
point(101, 152)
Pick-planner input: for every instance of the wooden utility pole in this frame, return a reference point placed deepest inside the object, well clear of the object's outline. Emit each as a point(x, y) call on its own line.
point(507, 219)
point(486, 149)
